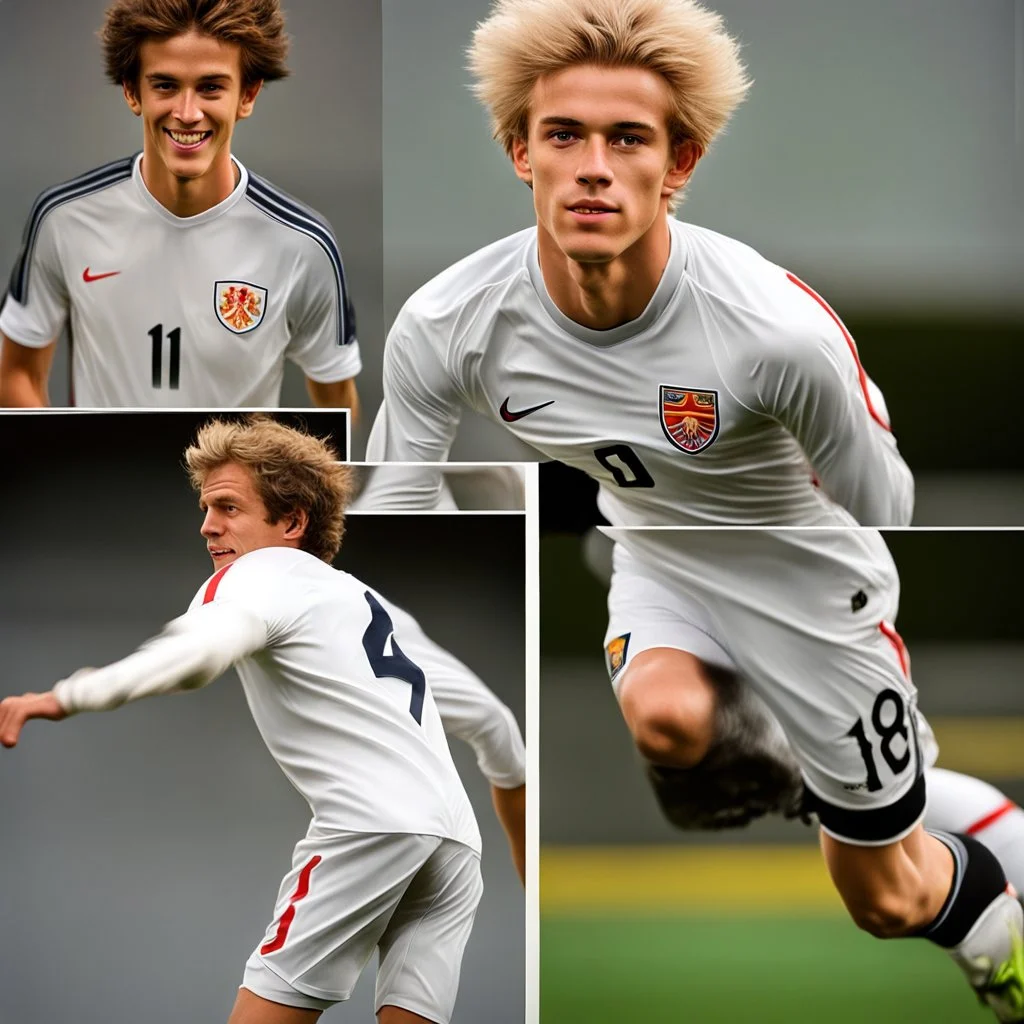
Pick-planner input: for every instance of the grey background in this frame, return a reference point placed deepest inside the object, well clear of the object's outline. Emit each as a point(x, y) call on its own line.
point(316, 134)
point(142, 850)
point(878, 156)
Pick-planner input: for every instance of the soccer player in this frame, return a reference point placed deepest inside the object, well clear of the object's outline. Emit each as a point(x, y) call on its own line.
point(183, 279)
point(696, 381)
point(341, 685)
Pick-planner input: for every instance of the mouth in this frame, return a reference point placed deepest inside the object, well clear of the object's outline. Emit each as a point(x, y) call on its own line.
point(216, 553)
point(187, 142)
point(591, 211)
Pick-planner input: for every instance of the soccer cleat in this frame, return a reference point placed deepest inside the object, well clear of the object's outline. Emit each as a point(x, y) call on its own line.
point(1001, 988)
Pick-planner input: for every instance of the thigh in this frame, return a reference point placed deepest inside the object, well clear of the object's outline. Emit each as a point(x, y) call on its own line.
point(835, 673)
point(647, 614)
point(421, 949)
point(332, 909)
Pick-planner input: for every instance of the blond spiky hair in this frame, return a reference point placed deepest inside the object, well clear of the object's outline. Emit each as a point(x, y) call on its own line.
point(680, 40)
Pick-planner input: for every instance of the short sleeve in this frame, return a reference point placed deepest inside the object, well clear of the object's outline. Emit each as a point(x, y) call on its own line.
point(36, 307)
point(321, 317)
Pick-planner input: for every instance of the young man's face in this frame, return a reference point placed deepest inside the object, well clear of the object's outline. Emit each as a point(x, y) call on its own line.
point(236, 519)
point(600, 159)
point(189, 95)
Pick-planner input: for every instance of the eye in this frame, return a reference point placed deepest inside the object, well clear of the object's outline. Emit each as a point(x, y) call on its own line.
point(630, 141)
point(562, 135)
point(210, 87)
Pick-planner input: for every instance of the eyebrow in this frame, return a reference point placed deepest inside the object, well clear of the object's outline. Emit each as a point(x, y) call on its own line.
point(160, 76)
point(571, 122)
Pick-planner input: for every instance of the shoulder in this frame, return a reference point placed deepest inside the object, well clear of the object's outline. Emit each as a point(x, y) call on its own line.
point(477, 279)
point(265, 568)
point(748, 296)
point(79, 189)
point(298, 226)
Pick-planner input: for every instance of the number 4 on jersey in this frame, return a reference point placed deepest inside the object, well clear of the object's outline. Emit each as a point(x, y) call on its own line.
point(395, 665)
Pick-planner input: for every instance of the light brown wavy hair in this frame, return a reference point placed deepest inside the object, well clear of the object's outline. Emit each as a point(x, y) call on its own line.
point(291, 469)
point(257, 26)
point(682, 41)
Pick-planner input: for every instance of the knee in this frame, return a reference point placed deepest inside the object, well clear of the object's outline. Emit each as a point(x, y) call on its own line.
point(670, 725)
point(887, 915)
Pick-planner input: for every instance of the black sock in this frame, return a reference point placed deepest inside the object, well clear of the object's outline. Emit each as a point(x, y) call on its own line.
point(978, 878)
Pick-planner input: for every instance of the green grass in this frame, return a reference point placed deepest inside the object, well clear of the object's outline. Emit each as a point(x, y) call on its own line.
point(768, 969)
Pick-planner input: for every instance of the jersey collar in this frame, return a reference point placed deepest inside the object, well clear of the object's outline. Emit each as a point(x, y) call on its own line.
point(670, 279)
point(200, 218)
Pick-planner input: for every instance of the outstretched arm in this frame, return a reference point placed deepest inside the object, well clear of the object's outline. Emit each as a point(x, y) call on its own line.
point(190, 652)
point(16, 711)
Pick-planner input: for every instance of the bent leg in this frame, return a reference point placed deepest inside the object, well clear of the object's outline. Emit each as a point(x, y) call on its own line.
point(668, 700)
point(250, 1008)
point(894, 890)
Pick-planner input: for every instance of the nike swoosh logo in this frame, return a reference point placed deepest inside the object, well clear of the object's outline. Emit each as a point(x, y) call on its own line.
point(87, 277)
point(511, 417)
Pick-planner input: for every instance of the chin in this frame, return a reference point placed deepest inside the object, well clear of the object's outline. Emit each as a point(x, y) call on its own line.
point(590, 250)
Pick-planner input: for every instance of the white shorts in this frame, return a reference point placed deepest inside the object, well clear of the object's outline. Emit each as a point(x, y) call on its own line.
point(816, 642)
point(414, 897)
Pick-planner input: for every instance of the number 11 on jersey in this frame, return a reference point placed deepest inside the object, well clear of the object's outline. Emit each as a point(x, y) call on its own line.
point(174, 362)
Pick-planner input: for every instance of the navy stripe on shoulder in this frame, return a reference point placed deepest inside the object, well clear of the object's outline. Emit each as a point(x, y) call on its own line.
point(48, 201)
point(289, 211)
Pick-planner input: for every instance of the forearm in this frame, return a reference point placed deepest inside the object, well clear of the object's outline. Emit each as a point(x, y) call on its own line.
point(190, 652)
point(510, 806)
point(23, 375)
point(339, 394)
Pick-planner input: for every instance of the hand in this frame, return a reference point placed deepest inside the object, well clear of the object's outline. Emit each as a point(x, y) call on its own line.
point(16, 711)
point(510, 805)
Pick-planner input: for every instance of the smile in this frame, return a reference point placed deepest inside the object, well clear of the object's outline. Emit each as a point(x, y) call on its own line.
point(187, 140)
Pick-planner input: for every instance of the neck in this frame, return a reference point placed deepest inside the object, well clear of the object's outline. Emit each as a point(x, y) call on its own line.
point(187, 197)
point(603, 295)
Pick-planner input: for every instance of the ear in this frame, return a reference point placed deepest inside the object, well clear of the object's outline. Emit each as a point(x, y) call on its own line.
point(297, 522)
point(686, 154)
point(247, 100)
point(131, 97)
point(521, 161)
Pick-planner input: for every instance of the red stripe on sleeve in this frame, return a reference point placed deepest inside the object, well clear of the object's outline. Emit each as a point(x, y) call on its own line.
point(861, 375)
point(991, 819)
point(896, 640)
point(301, 892)
point(211, 587)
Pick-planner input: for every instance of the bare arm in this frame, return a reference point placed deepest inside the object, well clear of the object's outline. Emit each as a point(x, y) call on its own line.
point(339, 394)
point(510, 806)
point(24, 372)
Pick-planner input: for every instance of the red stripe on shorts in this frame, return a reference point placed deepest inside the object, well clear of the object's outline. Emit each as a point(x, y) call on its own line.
point(861, 375)
point(211, 587)
point(301, 892)
point(896, 640)
point(990, 819)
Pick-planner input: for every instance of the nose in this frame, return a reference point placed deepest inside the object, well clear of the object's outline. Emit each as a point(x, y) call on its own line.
point(186, 110)
point(211, 524)
point(594, 167)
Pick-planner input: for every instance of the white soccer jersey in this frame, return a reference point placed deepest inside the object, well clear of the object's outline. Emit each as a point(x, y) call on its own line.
point(181, 311)
point(468, 709)
point(737, 396)
point(342, 707)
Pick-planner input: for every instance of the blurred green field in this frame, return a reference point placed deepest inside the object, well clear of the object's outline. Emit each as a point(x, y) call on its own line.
point(724, 934)
point(769, 969)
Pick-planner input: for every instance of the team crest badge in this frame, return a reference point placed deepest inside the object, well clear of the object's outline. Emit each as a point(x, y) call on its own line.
point(689, 418)
point(615, 654)
point(240, 306)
